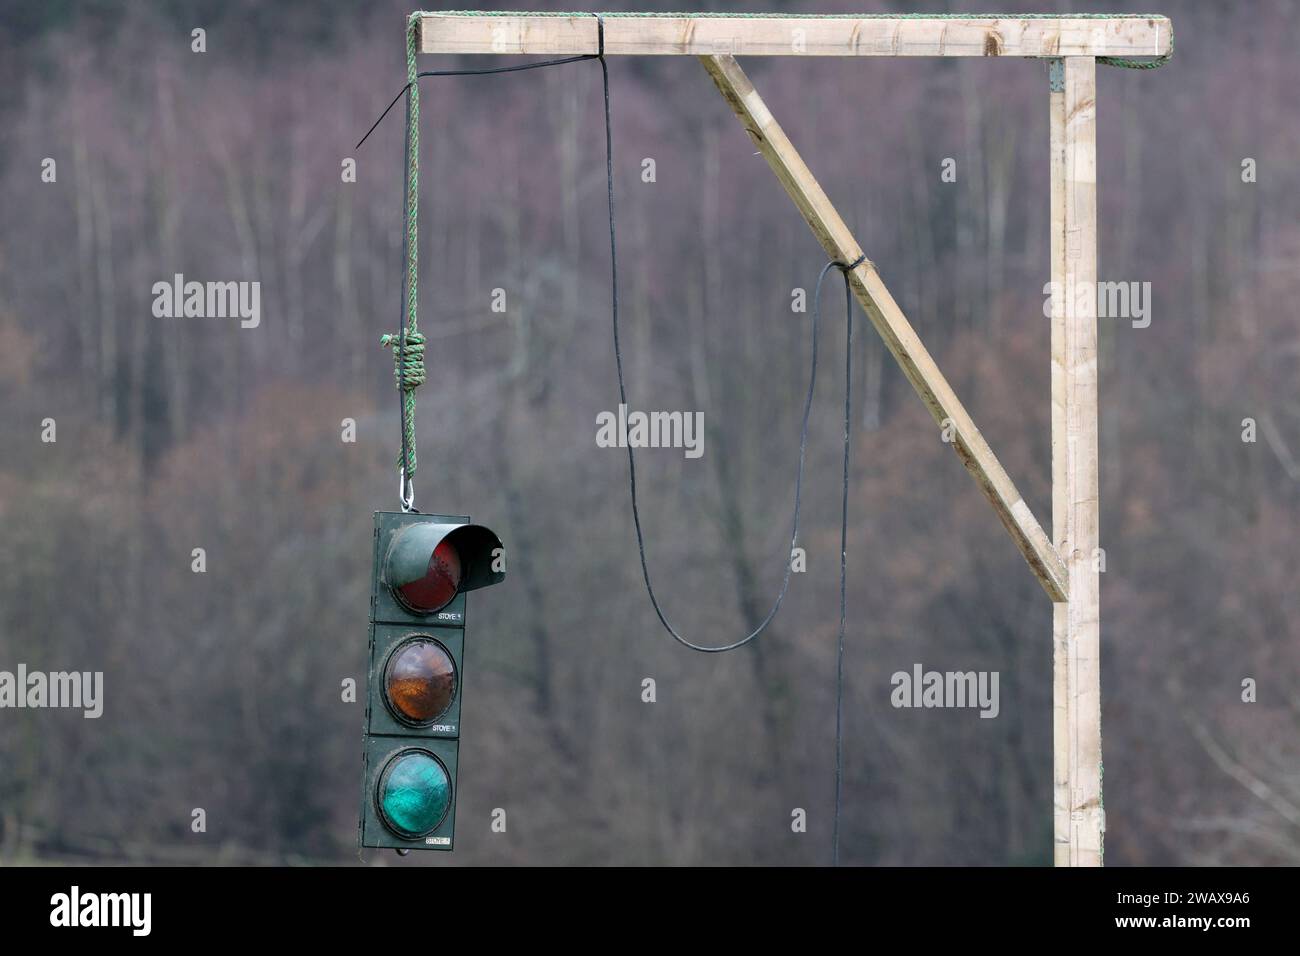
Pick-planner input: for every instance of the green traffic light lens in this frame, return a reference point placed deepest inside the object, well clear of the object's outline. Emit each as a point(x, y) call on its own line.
point(414, 793)
point(419, 681)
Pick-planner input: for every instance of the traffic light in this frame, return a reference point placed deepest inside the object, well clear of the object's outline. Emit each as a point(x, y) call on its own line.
point(423, 565)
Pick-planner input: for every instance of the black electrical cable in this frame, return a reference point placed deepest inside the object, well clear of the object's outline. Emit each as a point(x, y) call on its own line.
point(844, 536)
point(406, 493)
point(496, 69)
point(622, 396)
point(407, 490)
point(845, 269)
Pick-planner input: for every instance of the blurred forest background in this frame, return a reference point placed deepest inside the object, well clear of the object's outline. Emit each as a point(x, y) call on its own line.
point(223, 688)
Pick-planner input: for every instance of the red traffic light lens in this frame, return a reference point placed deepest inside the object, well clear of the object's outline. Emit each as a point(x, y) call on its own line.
point(419, 681)
point(438, 585)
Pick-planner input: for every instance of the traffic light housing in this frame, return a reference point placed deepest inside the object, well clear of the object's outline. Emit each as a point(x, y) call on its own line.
point(423, 567)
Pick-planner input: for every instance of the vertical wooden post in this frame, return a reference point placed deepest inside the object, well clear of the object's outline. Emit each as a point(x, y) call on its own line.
point(1079, 820)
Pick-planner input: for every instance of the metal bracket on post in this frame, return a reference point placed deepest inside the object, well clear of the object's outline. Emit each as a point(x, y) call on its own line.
point(1056, 75)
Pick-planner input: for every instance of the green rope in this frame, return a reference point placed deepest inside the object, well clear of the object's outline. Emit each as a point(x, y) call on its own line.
point(408, 362)
point(409, 370)
point(1126, 64)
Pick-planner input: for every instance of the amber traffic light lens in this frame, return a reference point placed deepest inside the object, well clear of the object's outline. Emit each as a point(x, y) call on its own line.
point(419, 681)
point(438, 585)
point(414, 793)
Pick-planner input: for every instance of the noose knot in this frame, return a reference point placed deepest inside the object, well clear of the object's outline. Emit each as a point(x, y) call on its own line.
point(408, 370)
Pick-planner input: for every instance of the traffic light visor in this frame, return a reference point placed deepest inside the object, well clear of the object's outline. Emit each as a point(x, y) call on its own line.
point(428, 564)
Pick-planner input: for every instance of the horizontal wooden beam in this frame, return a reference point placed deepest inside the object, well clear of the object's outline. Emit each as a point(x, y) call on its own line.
point(899, 336)
point(650, 34)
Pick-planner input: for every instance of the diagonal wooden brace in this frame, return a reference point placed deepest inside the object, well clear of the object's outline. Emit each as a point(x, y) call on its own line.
point(888, 318)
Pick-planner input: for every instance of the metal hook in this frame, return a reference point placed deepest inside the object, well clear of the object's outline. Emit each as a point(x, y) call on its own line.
point(405, 490)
